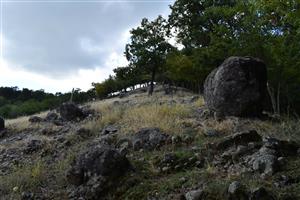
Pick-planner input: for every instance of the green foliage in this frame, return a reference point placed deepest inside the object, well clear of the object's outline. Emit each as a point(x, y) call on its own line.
point(15, 102)
point(210, 31)
point(149, 47)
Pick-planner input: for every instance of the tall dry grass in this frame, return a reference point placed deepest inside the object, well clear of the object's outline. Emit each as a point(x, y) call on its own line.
point(169, 118)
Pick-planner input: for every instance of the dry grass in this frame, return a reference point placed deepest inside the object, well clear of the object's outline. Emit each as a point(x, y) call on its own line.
point(145, 112)
point(287, 129)
point(224, 126)
point(200, 102)
point(169, 118)
point(22, 123)
point(110, 114)
point(24, 178)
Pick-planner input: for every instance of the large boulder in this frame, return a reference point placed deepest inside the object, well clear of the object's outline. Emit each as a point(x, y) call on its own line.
point(2, 124)
point(71, 112)
point(237, 87)
point(96, 171)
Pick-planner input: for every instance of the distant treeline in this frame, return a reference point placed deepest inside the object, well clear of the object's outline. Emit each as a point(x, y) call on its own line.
point(207, 32)
point(15, 102)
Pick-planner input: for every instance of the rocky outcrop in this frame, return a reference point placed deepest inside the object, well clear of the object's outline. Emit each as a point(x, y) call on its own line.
point(237, 87)
point(248, 151)
point(96, 170)
point(71, 112)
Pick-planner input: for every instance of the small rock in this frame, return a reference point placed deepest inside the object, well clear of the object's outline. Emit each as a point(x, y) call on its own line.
point(149, 139)
point(110, 129)
point(35, 119)
point(182, 180)
point(177, 167)
point(83, 132)
point(123, 149)
point(176, 139)
point(165, 169)
point(260, 193)
point(212, 133)
point(236, 191)
point(3, 133)
point(116, 103)
point(195, 195)
point(142, 159)
point(281, 161)
point(51, 116)
point(266, 164)
point(187, 139)
point(123, 94)
point(27, 196)
point(199, 164)
point(2, 124)
point(15, 189)
point(194, 99)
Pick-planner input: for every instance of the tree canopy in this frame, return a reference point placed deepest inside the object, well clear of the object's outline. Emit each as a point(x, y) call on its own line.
point(209, 31)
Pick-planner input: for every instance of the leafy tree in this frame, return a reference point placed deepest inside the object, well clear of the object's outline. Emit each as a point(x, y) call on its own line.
point(149, 47)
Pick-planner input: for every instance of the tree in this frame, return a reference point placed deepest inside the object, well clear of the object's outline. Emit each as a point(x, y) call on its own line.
point(194, 21)
point(149, 47)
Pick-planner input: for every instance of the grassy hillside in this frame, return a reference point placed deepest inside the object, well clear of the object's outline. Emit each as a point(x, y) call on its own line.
point(41, 173)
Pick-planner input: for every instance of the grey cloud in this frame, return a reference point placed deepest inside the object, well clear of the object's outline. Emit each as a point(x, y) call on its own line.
point(57, 39)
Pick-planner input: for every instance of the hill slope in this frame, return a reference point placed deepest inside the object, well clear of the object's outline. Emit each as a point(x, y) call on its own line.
point(176, 150)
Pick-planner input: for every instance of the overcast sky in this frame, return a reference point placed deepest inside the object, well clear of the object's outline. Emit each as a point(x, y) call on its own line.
point(57, 45)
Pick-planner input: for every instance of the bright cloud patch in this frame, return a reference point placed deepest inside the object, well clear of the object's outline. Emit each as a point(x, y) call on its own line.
point(60, 45)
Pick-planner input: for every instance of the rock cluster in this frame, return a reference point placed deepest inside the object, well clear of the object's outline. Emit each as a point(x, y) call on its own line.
point(248, 151)
point(171, 162)
point(67, 112)
point(237, 191)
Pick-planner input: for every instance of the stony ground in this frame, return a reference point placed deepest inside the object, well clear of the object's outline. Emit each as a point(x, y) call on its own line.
point(140, 147)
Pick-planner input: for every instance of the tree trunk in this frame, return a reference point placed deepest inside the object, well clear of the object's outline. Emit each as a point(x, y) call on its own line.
point(152, 82)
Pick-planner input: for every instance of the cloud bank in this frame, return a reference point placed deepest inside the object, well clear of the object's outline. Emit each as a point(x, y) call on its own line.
point(58, 45)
